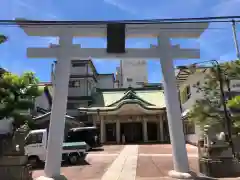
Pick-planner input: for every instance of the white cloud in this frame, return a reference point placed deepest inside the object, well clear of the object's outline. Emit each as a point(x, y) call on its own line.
point(24, 7)
point(226, 8)
point(219, 43)
point(122, 5)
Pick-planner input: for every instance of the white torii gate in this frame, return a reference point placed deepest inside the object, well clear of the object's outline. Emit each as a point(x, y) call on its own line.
point(66, 51)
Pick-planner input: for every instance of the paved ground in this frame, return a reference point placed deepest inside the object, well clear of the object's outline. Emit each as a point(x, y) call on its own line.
point(95, 167)
point(162, 149)
point(130, 162)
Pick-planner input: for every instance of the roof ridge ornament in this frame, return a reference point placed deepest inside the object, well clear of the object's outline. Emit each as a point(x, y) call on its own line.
point(130, 89)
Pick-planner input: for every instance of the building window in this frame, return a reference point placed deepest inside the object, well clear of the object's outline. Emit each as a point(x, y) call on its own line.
point(74, 83)
point(35, 138)
point(78, 64)
point(129, 79)
point(189, 127)
point(140, 83)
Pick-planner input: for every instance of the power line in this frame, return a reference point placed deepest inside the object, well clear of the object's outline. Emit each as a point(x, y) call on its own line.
point(218, 19)
point(137, 28)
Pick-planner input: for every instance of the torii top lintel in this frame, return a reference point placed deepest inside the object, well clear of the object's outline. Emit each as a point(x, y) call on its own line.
point(180, 30)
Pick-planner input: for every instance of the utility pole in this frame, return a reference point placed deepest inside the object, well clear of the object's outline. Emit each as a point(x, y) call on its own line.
point(235, 38)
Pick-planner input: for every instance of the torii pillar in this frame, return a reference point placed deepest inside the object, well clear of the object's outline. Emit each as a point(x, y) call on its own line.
point(180, 158)
point(58, 112)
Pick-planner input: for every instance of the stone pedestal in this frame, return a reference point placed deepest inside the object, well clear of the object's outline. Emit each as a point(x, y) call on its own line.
point(215, 159)
point(15, 168)
point(181, 175)
point(13, 162)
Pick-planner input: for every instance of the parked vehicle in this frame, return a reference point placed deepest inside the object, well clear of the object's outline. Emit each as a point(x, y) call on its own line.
point(36, 145)
point(90, 135)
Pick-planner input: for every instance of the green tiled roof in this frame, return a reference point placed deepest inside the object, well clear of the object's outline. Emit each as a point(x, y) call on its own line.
point(154, 97)
point(111, 100)
point(111, 97)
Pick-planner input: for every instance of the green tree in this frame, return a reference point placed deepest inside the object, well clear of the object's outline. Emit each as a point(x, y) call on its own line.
point(206, 111)
point(2, 39)
point(17, 95)
point(234, 103)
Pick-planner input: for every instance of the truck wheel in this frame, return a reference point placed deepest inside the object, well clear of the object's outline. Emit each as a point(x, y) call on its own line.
point(33, 161)
point(73, 158)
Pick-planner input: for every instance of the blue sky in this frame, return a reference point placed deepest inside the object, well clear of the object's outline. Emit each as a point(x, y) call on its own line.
point(215, 43)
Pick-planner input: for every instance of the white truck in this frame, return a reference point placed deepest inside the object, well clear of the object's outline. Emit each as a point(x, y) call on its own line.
point(36, 146)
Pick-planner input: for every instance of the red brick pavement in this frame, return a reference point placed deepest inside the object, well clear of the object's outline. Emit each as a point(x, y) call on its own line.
point(95, 169)
point(148, 166)
point(153, 167)
point(108, 149)
point(162, 149)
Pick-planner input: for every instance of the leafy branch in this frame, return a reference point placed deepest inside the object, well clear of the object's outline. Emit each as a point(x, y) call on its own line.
point(17, 95)
point(207, 110)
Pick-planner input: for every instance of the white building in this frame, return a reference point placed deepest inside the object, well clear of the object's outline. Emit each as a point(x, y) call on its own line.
point(131, 73)
point(188, 94)
point(83, 81)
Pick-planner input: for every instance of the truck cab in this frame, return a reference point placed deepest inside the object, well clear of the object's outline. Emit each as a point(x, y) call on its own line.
point(36, 147)
point(36, 144)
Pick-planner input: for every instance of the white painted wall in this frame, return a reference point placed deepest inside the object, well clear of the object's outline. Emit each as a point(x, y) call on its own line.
point(192, 79)
point(78, 91)
point(81, 70)
point(87, 86)
point(135, 70)
point(105, 82)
